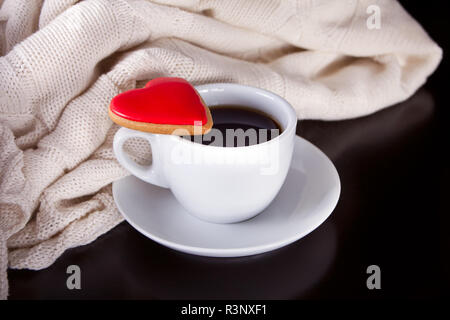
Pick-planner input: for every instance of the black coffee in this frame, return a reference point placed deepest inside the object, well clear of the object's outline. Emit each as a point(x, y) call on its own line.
point(237, 126)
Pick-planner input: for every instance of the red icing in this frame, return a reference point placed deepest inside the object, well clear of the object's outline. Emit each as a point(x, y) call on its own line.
point(161, 101)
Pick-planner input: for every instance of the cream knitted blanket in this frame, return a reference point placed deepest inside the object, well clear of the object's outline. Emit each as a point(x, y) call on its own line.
point(63, 60)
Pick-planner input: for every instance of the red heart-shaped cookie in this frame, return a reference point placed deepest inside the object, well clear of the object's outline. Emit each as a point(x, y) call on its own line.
point(162, 106)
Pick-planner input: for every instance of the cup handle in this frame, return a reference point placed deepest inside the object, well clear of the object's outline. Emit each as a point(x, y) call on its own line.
point(152, 173)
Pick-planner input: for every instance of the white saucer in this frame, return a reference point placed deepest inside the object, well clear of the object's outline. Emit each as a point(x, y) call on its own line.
point(305, 201)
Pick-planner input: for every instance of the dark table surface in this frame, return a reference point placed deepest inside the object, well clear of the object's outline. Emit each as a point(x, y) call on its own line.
point(387, 215)
point(391, 213)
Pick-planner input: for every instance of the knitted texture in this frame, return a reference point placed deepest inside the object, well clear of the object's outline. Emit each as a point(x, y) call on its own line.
point(63, 60)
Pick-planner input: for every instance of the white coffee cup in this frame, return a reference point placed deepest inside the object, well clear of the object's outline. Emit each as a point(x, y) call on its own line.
point(220, 184)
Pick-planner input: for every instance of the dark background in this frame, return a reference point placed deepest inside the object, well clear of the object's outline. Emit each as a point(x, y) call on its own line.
point(392, 212)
